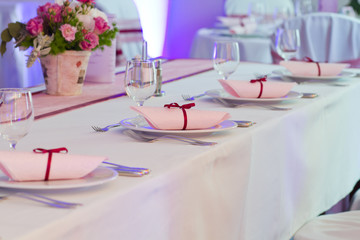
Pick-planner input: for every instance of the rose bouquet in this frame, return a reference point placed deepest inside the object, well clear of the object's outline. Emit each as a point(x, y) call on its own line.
point(61, 26)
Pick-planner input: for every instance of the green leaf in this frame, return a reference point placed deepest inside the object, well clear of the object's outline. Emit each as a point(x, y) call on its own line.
point(3, 48)
point(14, 29)
point(5, 35)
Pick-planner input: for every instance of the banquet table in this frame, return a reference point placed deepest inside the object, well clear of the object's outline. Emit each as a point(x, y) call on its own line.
point(253, 47)
point(259, 182)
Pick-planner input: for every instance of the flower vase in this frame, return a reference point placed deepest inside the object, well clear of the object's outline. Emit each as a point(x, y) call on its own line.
point(64, 74)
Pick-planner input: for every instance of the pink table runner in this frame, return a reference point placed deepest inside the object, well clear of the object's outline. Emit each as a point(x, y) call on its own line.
point(47, 105)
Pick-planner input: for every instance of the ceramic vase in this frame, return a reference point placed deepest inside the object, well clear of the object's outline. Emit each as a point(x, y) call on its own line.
point(64, 74)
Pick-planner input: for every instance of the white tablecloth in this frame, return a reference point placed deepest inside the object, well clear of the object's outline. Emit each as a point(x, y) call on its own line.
point(261, 182)
point(252, 48)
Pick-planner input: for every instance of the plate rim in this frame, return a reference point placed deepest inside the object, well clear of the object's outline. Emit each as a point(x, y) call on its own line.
point(192, 131)
point(41, 186)
point(232, 98)
point(286, 73)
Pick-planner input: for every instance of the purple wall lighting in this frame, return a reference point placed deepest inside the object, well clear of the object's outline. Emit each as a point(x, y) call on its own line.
point(185, 17)
point(328, 6)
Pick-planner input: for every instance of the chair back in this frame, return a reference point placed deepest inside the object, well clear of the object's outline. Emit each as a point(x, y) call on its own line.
point(130, 37)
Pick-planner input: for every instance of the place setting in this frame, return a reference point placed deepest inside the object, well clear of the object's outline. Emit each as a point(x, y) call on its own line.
point(170, 121)
point(307, 70)
point(46, 169)
point(257, 91)
point(25, 173)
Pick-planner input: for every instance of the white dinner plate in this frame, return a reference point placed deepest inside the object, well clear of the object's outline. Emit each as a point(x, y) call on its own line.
point(99, 176)
point(222, 94)
point(297, 78)
point(140, 124)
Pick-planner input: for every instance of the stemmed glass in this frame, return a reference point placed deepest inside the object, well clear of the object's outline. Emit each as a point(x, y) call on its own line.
point(287, 42)
point(16, 114)
point(140, 80)
point(258, 11)
point(226, 58)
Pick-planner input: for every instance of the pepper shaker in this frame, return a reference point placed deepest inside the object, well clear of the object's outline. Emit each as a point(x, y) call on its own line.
point(158, 73)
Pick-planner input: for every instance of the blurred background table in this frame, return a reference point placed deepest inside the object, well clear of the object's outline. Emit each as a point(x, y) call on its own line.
point(253, 47)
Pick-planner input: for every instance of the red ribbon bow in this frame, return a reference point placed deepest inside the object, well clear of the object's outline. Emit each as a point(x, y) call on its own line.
point(307, 59)
point(183, 107)
point(260, 80)
point(50, 152)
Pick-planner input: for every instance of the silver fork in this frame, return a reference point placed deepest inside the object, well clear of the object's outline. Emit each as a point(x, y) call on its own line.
point(229, 104)
point(187, 97)
point(146, 138)
point(42, 199)
point(131, 170)
point(105, 129)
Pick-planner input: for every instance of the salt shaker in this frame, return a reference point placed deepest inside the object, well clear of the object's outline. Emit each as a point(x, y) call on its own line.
point(158, 74)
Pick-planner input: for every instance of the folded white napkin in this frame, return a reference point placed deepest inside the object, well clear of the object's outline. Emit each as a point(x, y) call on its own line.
point(239, 25)
point(302, 68)
point(247, 26)
point(173, 118)
point(29, 166)
point(246, 89)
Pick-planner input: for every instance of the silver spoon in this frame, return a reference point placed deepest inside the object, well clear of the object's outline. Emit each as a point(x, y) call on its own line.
point(229, 104)
point(309, 95)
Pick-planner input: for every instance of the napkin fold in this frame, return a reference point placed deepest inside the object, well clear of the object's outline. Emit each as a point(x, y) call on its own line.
point(239, 25)
point(173, 118)
point(29, 166)
point(302, 68)
point(246, 89)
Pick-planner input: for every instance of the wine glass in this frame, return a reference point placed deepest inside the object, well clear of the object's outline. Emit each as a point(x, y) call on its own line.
point(287, 42)
point(226, 58)
point(258, 11)
point(140, 80)
point(16, 114)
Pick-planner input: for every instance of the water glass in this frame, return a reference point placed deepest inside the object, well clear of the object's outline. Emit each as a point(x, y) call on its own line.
point(140, 80)
point(303, 7)
point(226, 58)
point(16, 114)
point(287, 43)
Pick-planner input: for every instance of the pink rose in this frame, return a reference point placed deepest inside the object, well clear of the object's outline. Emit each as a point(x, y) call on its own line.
point(68, 32)
point(50, 11)
point(43, 10)
point(54, 13)
point(100, 25)
point(35, 26)
point(66, 11)
point(91, 40)
point(87, 1)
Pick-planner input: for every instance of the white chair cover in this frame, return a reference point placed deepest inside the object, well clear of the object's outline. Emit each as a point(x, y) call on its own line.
point(328, 37)
point(340, 226)
point(355, 201)
point(129, 41)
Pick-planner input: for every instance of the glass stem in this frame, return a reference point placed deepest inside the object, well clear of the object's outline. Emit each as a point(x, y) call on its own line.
point(12, 146)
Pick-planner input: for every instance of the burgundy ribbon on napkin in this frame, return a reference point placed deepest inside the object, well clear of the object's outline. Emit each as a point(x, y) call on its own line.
point(50, 152)
point(182, 107)
point(260, 80)
point(307, 59)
